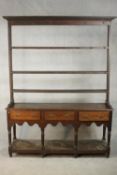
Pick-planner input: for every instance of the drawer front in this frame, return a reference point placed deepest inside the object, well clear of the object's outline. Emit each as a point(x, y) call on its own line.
point(59, 115)
point(24, 115)
point(94, 116)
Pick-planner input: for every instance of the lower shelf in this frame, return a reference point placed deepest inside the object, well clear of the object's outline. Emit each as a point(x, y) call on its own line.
point(26, 146)
point(85, 147)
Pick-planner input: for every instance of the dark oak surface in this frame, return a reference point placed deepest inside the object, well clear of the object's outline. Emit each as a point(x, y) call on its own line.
point(60, 17)
point(63, 106)
point(74, 114)
point(58, 146)
point(59, 20)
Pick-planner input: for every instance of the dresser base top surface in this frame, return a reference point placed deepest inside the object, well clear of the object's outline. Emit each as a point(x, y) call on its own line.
point(62, 106)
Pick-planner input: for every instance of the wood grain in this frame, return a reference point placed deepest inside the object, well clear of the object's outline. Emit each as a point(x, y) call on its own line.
point(60, 115)
point(24, 115)
point(94, 116)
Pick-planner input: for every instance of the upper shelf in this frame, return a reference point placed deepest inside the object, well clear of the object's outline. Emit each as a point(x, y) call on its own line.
point(59, 20)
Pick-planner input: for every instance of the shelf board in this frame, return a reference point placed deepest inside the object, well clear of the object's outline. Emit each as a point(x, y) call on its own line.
point(61, 106)
point(59, 47)
point(26, 146)
point(84, 147)
point(59, 20)
point(59, 72)
point(59, 147)
point(59, 90)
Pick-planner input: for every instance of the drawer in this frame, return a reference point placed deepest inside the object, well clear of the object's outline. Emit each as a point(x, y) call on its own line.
point(94, 116)
point(59, 115)
point(24, 115)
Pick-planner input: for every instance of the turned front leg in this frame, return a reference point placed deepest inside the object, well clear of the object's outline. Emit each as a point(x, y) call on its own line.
point(42, 141)
point(104, 132)
point(75, 141)
point(9, 141)
point(108, 140)
point(14, 131)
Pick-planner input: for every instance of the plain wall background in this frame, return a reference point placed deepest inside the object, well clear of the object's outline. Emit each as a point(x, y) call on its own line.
point(57, 7)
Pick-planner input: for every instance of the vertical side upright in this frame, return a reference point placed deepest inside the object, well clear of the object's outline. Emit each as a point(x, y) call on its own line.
point(10, 62)
point(108, 64)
